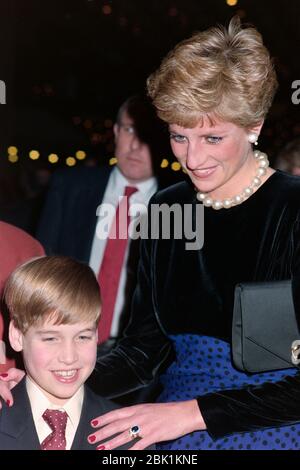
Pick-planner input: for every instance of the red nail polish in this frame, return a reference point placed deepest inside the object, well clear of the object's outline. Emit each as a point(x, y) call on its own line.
point(4, 375)
point(8, 402)
point(92, 438)
point(100, 448)
point(95, 422)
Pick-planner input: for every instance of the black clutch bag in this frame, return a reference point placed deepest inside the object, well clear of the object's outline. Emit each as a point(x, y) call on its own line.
point(265, 333)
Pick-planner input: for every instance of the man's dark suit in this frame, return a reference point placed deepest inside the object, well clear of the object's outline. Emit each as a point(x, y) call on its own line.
point(68, 220)
point(17, 429)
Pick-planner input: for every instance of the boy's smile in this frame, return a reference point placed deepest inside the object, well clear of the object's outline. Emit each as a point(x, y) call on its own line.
point(66, 376)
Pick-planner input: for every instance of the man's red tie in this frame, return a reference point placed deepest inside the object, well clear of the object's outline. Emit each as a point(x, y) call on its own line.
point(111, 267)
point(57, 420)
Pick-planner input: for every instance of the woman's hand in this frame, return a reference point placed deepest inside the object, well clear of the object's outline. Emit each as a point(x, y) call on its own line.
point(157, 422)
point(7, 381)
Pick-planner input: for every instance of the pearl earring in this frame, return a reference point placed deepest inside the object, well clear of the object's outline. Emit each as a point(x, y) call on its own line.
point(253, 138)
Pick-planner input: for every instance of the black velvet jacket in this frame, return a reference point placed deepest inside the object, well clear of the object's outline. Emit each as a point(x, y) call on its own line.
point(182, 291)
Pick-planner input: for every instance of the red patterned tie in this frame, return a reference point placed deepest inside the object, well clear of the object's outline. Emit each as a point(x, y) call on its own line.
point(111, 267)
point(57, 421)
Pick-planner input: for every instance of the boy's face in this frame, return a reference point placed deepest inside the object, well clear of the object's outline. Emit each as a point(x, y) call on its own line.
point(58, 358)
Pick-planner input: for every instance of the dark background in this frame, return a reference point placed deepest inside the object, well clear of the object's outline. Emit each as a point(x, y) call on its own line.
point(69, 64)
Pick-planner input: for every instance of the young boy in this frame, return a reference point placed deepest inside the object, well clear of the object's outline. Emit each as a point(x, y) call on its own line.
point(54, 303)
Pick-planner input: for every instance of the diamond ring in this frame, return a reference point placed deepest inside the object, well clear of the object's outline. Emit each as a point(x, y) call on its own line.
point(134, 432)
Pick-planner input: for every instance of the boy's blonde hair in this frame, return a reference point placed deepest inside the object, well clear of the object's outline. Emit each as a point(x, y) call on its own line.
point(57, 287)
point(221, 73)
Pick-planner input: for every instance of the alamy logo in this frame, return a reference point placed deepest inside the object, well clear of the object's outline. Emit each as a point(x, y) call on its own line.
point(166, 222)
point(296, 93)
point(2, 92)
point(2, 353)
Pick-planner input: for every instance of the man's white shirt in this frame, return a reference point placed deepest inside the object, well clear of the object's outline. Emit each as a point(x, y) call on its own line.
point(114, 190)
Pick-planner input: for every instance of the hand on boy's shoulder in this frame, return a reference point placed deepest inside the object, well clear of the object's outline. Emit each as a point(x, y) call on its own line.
point(8, 381)
point(99, 407)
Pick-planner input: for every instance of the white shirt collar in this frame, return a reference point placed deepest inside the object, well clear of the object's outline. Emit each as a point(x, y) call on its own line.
point(39, 403)
point(119, 182)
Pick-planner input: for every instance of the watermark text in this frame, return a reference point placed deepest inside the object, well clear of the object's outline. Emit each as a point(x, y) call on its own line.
point(162, 222)
point(2, 92)
point(2, 352)
point(296, 93)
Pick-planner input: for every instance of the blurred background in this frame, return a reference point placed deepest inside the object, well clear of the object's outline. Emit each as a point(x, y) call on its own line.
point(68, 65)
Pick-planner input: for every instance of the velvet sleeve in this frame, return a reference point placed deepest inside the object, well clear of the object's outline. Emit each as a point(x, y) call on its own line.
point(144, 349)
point(254, 407)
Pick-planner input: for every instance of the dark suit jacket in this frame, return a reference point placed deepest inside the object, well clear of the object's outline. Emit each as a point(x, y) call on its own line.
point(68, 220)
point(17, 429)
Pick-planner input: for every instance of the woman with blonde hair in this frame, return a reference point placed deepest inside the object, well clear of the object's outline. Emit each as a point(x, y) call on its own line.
point(214, 91)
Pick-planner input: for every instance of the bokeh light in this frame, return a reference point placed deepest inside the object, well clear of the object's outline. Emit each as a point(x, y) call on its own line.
point(70, 161)
point(80, 155)
point(34, 154)
point(12, 150)
point(13, 158)
point(176, 166)
point(53, 158)
point(113, 160)
point(164, 163)
point(231, 3)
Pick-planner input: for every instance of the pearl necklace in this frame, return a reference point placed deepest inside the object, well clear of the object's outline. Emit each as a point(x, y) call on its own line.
point(263, 163)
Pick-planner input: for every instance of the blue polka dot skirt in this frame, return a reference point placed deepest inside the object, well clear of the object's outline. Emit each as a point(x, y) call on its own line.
point(203, 365)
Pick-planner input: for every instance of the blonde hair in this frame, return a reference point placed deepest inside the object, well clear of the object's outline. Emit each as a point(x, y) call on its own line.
point(219, 73)
point(55, 287)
